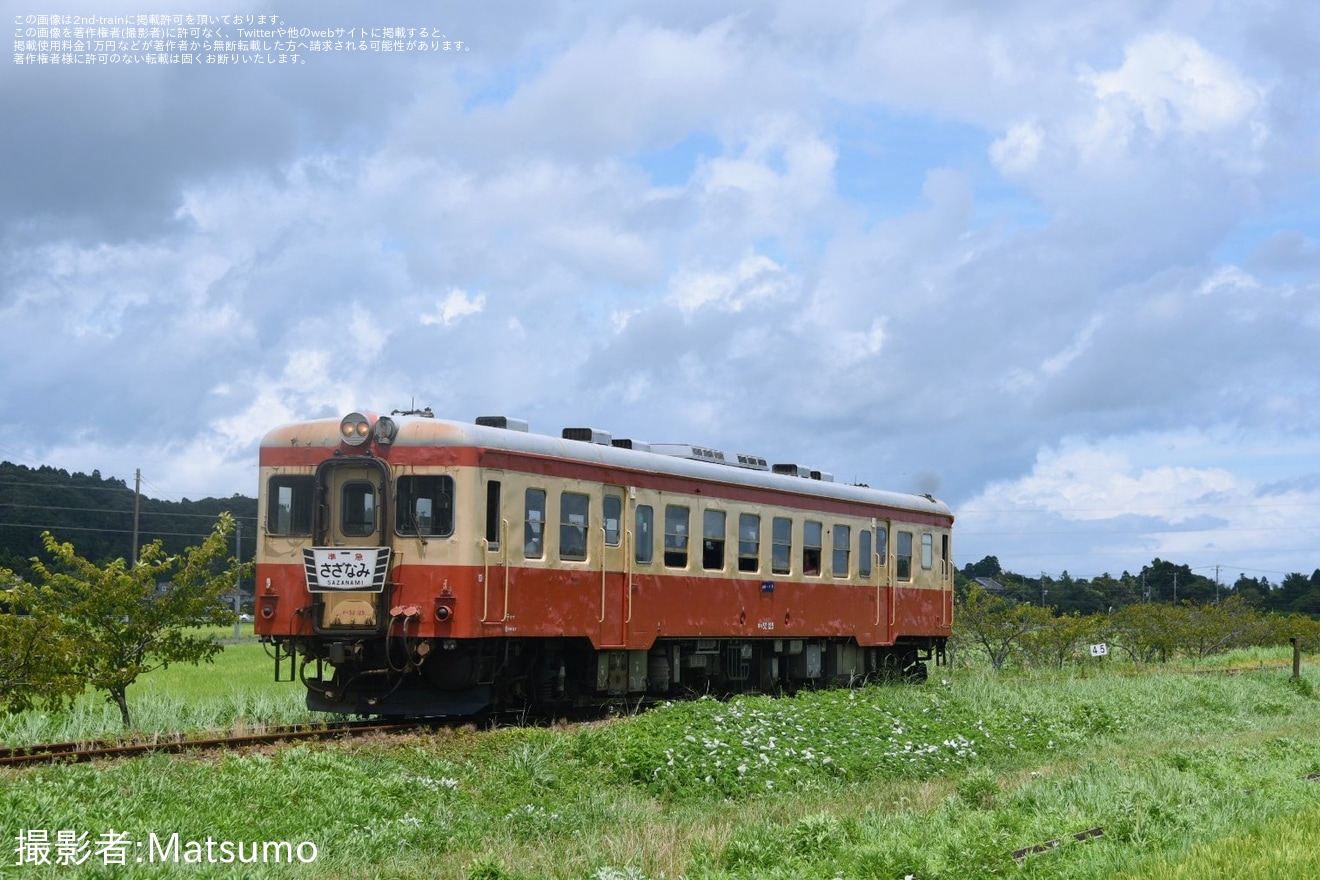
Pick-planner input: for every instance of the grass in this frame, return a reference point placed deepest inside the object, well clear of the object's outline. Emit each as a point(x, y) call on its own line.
point(237, 689)
point(1189, 776)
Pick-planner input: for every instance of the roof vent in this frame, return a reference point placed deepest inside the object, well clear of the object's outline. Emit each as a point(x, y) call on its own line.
point(504, 422)
point(686, 450)
point(823, 476)
point(587, 435)
point(625, 443)
point(792, 470)
point(755, 462)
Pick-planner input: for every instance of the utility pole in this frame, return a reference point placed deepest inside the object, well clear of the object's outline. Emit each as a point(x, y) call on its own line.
point(238, 577)
point(1042, 589)
point(1216, 585)
point(137, 510)
point(1175, 588)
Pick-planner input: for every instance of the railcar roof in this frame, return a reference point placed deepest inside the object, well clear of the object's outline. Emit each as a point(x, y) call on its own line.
point(421, 432)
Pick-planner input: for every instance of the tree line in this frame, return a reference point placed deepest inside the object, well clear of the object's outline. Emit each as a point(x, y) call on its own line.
point(1159, 583)
point(97, 514)
point(1007, 631)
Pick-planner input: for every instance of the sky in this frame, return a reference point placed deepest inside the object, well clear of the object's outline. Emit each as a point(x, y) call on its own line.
point(1057, 264)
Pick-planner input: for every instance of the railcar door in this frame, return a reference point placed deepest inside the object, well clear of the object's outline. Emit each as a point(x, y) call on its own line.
point(348, 567)
point(615, 591)
point(495, 567)
point(884, 590)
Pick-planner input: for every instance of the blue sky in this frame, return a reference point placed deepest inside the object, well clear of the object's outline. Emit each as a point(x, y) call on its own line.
point(1060, 267)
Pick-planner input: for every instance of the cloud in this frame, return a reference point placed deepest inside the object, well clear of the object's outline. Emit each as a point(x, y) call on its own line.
point(454, 306)
point(906, 243)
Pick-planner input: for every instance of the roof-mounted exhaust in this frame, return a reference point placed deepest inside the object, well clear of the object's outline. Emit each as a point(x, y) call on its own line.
point(588, 435)
point(504, 422)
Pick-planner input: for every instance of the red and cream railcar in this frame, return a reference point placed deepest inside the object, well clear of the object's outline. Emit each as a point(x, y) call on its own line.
point(415, 566)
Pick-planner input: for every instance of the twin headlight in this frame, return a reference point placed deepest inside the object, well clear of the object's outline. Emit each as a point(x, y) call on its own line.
point(357, 428)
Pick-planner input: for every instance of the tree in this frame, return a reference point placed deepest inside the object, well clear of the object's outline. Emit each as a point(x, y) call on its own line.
point(987, 567)
point(1056, 641)
point(125, 620)
point(996, 624)
point(32, 651)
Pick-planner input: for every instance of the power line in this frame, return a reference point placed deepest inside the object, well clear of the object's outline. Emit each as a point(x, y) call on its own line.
point(64, 528)
point(120, 512)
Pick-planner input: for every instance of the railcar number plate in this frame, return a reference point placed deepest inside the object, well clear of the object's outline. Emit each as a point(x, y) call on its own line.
point(331, 569)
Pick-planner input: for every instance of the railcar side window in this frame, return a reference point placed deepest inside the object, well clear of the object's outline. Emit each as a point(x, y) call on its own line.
point(573, 510)
point(864, 553)
point(676, 536)
point(534, 524)
point(357, 508)
point(927, 551)
point(424, 506)
point(644, 526)
point(289, 505)
point(712, 544)
point(613, 519)
point(903, 556)
point(811, 543)
point(749, 542)
point(842, 547)
point(781, 544)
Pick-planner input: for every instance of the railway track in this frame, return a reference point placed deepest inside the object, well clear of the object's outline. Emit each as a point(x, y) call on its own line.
point(77, 752)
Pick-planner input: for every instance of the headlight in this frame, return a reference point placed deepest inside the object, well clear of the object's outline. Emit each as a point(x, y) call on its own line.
point(385, 430)
point(355, 429)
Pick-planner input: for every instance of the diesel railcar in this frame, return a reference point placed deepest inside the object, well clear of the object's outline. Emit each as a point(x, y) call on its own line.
point(414, 566)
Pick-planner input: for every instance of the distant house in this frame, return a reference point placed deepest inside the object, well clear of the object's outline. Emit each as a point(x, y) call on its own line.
point(990, 585)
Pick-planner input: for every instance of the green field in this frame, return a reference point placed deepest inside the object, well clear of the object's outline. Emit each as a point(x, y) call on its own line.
point(1188, 776)
point(237, 689)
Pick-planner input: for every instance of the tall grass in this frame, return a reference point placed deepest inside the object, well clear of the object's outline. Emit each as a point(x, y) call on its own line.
point(237, 689)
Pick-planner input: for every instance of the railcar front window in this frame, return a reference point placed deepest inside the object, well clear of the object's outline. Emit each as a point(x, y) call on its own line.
point(676, 536)
point(842, 547)
point(864, 553)
point(357, 509)
point(781, 546)
point(424, 506)
point(712, 545)
point(645, 533)
point(289, 505)
point(927, 551)
point(903, 556)
point(749, 542)
point(613, 517)
point(573, 510)
point(882, 545)
point(493, 521)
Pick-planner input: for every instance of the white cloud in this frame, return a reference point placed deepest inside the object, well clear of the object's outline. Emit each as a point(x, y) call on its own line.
point(1169, 83)
point(455, 305)
point(755, 280)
